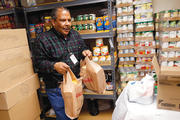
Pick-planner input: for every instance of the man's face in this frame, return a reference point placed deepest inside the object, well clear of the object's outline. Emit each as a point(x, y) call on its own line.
point(63, 22)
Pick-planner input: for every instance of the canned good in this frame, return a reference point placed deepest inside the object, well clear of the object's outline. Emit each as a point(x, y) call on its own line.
point(92, 17)
point(108, 58)
point(132, 59)
point(99, 42)
point(79, 27)
point(170, 63)
point(104, 50)
point(171, 54)
point(91, 26)
point(85, 17)
point(177, 54)
point(164, 63)
point(126, 51)
point(95, 58)
point(96, 51)
point(126, 59)
point(102, 58)
point(121, 59)
point(79, 17)
point(85, 27)
point(32, 31)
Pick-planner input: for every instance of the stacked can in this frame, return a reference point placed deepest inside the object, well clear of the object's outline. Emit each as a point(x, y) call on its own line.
point(169, 33)
point(90, 25)
point(100, 52)
point(145, 45)
point(125, 39)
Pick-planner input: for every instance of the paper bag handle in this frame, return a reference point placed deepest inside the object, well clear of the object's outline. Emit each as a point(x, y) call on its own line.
point(74, 79)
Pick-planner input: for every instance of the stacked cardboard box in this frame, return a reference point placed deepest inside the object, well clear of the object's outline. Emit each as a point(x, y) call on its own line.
point(168, 96)
point(18, 82)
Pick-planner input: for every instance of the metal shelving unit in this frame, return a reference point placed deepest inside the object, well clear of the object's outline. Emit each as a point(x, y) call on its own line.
point(15, 12)
point(108, 35)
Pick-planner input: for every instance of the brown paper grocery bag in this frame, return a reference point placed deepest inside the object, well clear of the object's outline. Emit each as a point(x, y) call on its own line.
point(71, 90)
point(93, 77)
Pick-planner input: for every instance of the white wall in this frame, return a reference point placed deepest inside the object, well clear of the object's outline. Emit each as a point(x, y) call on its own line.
point(160, 5)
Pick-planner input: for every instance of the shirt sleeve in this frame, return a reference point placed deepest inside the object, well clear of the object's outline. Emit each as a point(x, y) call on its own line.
point(41, 55)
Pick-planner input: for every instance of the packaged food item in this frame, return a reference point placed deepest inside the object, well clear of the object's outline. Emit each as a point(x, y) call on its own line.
point(178, 44)
point(172, 44)
point(79, 17)
point(177, 54)
point(172, 24)
point(130, 18)
point(130, 8)
point(102, 58)
point(129, 35)
point(99, 24)
point(106, 23)
point(99, 42)
point(121, 51)
point(174, 13)
point(120, 19)
point(130, 26)
point(178, 34)
point(165, 35)
point(166, 24)
point(125, 9)
point(92, 17)
point(95, 58)
point(32, 30)
point(170, 63)
point(126, 59)
point(177, 64)
point(132, 59)
point(126, 51)
point(119, 10)
point(125, 18)
point(178, 23)
point(104, 50)
point(164, 63)
point(121, 59)
point(108, 58)
point(172, 34)
point(96, 51)
point(167, 14)
point(171, 54)
point(164, 54)
point(85, 17)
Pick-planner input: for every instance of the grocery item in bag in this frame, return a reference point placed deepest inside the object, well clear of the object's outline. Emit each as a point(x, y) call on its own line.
point(95, 77)
point(71, 90)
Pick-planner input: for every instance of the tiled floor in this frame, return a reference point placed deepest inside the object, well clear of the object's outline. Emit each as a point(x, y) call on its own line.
point(103, 115)
point(85, 115)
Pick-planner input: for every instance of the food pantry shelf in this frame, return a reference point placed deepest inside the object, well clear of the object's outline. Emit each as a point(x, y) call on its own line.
point(105, 95)
point(64, 4)
point(98, 35)
point(7, 11)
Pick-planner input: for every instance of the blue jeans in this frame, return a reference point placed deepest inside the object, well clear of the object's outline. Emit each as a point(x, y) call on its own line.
point(57, 103)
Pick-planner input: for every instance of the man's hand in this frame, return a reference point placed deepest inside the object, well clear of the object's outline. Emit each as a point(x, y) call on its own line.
point(87, 53)
point(61, 67)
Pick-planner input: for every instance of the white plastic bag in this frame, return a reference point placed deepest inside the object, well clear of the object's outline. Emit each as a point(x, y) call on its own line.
point(141, 91)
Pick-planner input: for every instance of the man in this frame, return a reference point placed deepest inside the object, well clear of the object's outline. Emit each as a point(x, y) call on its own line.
point(57, 50)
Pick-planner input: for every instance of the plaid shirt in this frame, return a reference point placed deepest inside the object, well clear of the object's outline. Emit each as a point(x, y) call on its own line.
point(52, 47)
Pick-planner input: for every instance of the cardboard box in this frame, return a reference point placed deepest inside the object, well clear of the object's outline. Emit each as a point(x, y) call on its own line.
point(12, 38)
point(17, 92)
point(15, 74)
point(166, 73)
point(169, 95)
point(26, 109)
point(12, 57)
